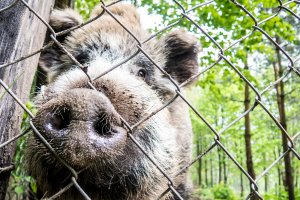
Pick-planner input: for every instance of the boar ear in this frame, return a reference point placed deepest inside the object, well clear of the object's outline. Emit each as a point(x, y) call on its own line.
point(64, 19)
point(59, 20)
point(182, 50)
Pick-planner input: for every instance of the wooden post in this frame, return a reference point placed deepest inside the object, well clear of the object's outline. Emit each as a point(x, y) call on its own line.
point(21, 32)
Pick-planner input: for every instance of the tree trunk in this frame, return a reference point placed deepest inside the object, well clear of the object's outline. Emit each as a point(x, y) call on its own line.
point(220, 165)
point(211, 172)
point(240, 158)
point(206, 172)
point(242, 184)
point(224, 168)
point(278, 172)
point(222, 153)
point(296, 176)
point(199, 149)
point(278, 168)
point(278, 71)
point(266, 176)
point(249, 161)
point(21, 33)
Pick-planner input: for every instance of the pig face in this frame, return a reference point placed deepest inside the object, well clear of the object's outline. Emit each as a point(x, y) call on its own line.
point(85, 126)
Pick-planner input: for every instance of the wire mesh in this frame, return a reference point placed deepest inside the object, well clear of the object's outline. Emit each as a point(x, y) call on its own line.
point(185, 15)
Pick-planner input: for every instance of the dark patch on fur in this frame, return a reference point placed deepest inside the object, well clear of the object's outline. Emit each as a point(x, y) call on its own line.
point(182, 53)
point(82, 56)
point(52, 55)
point(182, 191)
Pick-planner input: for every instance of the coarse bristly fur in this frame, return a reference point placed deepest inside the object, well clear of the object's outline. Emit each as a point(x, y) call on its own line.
point(83, 125)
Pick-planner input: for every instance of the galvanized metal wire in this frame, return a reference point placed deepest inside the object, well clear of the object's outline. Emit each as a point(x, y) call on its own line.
point(185, 15)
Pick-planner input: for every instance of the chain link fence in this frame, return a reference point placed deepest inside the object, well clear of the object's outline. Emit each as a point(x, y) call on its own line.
point(185, 14)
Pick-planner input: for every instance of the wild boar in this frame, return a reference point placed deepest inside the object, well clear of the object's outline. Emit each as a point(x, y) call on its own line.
point(84, 125)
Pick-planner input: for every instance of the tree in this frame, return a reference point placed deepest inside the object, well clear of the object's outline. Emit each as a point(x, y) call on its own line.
point(249, 159)
point(278, 69)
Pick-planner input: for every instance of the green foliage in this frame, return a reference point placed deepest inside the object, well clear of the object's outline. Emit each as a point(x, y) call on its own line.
point(20, 181)
point(224, 192)
point(203, 193)
point(85, 7)
point(26, 118)
point(218, 192)
point(281, 194)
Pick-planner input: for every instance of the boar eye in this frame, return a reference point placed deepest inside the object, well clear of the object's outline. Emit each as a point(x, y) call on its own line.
point(142, 73)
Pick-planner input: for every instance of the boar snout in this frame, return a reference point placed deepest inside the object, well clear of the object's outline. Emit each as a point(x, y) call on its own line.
point(84, 123)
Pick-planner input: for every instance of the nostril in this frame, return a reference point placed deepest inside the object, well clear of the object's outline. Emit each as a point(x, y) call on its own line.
point(60, 120)
point(103, 127)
